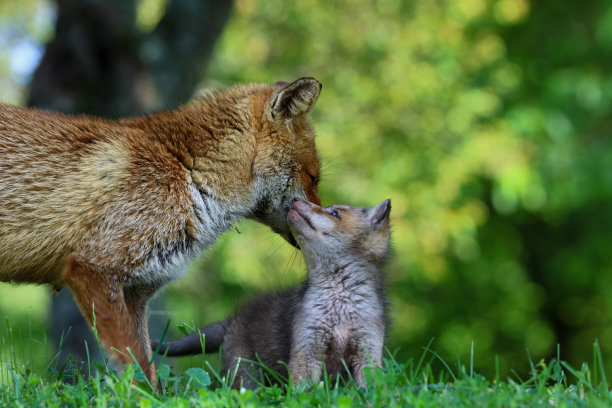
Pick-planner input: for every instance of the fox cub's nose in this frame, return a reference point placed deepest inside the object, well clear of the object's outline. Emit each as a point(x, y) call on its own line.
point(295, 202)
point(300, 201)
point(301, 204)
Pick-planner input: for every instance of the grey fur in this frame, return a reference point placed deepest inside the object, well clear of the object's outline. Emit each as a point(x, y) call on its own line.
point(338, 313)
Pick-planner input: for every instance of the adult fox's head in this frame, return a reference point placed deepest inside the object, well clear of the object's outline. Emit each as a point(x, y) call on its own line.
point(286, 164)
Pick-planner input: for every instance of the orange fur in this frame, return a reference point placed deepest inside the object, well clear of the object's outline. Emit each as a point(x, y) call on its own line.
point(115, 209)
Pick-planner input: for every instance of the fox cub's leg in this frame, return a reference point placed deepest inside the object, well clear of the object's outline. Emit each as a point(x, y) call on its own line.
point(235, 346)
point(119, 324)
point(245, 374)
point(369, 353)
point(305, 367)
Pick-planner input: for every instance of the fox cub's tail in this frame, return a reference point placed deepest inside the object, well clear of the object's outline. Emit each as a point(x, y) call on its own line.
point(191, 344)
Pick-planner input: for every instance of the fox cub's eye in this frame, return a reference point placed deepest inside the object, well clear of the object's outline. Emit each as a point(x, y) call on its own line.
point(335, 214)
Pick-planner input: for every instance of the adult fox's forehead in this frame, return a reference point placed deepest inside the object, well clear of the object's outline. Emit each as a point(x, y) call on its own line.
point(306, 152)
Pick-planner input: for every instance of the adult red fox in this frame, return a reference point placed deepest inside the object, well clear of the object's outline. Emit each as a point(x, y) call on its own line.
point(114, 210)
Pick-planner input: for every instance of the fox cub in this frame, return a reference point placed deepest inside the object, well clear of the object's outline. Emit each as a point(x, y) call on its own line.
point(338, 313)
point(114, 210)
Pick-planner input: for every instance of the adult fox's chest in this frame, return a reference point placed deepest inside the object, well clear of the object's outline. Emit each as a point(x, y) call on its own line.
point(166, 263)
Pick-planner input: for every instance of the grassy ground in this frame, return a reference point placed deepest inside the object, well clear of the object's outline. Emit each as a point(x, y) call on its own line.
point(24, 382)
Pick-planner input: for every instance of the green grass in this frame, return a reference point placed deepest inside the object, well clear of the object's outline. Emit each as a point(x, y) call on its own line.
point(422, 382)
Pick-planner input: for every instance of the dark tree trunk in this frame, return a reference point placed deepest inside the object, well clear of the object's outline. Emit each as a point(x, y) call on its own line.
point(99, 63)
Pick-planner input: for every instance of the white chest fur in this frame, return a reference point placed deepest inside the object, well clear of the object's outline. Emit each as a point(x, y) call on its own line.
point(166, 264)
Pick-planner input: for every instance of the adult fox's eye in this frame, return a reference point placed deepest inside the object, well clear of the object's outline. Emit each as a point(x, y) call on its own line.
point(335, 214)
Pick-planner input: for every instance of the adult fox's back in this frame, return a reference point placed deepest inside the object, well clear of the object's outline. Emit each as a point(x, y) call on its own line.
point(66, 180)
point(115, 209)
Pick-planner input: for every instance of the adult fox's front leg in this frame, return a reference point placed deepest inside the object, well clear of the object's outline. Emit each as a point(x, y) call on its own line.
point(137, 307)
point(117, 324)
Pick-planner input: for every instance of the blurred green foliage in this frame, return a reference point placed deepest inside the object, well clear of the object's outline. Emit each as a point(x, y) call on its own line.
point(25, 26)
point(487, 122)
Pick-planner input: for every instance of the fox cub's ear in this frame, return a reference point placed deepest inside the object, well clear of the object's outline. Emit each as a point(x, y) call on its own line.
point(295, 99)
point(379, 214)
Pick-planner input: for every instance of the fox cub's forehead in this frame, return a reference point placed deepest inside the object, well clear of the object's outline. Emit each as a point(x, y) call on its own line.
point(351, 212)
point(352, 218)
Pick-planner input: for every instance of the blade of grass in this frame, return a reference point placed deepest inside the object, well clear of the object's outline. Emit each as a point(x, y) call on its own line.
point(443, 363)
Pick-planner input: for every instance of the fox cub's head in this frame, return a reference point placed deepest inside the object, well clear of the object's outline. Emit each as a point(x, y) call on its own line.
point(286, 164)
point(340, 232)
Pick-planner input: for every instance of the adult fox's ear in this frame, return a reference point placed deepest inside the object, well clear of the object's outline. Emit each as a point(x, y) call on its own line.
point(295, 99)
point(379, 214)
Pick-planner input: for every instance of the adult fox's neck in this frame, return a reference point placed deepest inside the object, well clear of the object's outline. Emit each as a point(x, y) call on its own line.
point(213, 138)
